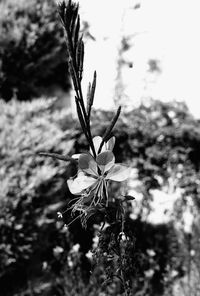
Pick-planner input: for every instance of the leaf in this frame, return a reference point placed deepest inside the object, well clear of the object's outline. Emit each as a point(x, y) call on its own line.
point(57, 156)
point(118, 173)
point(105, 160)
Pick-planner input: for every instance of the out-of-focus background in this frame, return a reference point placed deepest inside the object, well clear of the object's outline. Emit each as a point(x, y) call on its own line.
point(146, 54)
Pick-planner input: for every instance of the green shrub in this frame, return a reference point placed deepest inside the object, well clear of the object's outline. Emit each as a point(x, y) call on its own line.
point(32, 49)
point(34, 247)
point(32, 188)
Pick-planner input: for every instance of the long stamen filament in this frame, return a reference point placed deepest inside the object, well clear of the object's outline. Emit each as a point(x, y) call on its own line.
point(67, 225)
point(99, 185)
point(106, 191)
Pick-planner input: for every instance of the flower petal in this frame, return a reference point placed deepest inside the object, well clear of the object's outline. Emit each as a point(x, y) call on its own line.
point(97, 142)
point(105, 160)
point(118, 173)
point(76, 156)
point(110, 143)
point(80, 183)
point(87, 164)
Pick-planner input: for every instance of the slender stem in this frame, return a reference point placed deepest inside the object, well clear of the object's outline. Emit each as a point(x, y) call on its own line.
point(87, 121)
point(123, 277)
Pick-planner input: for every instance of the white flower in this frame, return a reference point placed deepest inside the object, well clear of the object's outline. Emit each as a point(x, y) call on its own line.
point(94, 174)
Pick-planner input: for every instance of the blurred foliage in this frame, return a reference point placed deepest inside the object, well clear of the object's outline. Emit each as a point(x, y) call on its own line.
point(37, 255)
point(32, 189)
point(163, 142)
point(32, 49)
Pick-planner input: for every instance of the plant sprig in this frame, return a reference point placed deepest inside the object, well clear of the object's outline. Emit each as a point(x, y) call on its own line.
point(58, 156)
point(70, 20)
point(71, 23)
point(102, 165)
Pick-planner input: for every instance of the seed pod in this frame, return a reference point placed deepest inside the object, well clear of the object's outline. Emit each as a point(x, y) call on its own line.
point(109, 129)
point(81, 61)
point(73, 74)
point(71, 23)
point(91, 97)
point(76, 32)
point(112, 124)
point(80, 57)
point(62, 12)
point(88, 96)
point(80, 116)
point(73, 19)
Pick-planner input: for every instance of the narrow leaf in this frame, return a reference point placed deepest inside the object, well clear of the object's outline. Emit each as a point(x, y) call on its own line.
point(76, 32)
point(57, 156)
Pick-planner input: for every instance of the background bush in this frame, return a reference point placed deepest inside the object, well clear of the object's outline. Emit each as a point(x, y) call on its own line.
point(161, 140)
point(32, 189)
point(32, 49)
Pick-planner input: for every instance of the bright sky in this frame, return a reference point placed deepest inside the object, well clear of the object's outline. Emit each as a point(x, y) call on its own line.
point(167, 30)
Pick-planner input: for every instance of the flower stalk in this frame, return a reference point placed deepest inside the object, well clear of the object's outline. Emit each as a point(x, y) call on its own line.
point(97, 167)
point(71, 23)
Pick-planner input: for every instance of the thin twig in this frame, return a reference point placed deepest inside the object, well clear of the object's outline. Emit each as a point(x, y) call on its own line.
point(57, 156)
